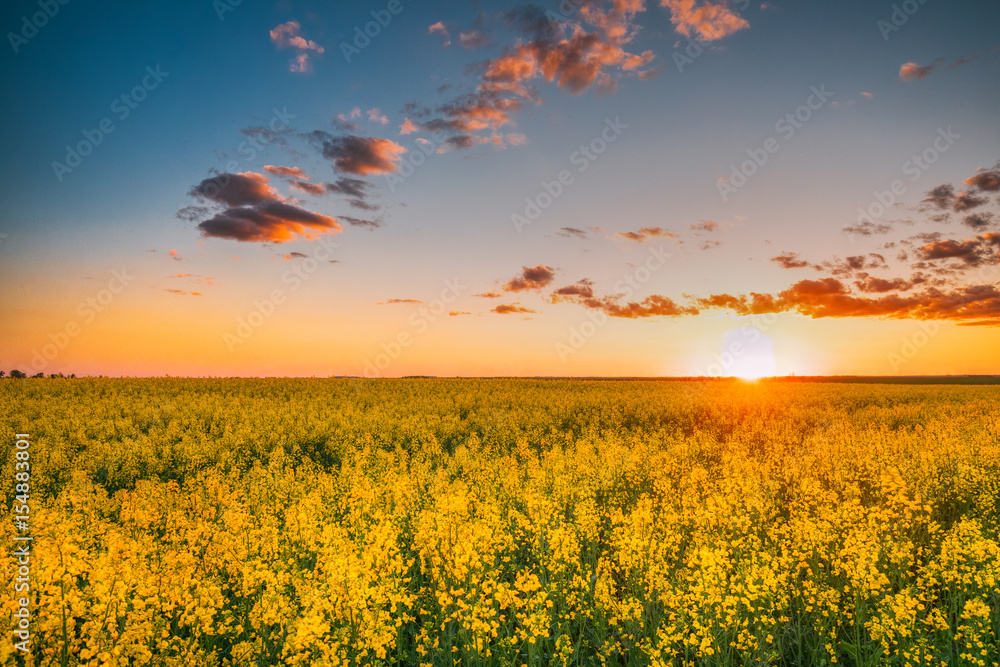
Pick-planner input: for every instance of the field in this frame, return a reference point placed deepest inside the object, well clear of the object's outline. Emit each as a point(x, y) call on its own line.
point(189, 522)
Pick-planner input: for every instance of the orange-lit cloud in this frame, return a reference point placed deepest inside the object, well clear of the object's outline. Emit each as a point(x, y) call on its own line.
point(705, 21)
point(914, 72)
point(645, 233)
point(287, 172)
point(253, 211)
point(407, 127)
point(287, 35)
point(509, 308)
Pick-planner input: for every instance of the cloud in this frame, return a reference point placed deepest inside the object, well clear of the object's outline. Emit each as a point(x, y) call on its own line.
point(706, 21)
point(978, 221)
point(979, 250)
point(868, 228)
point(914, 72)
point(790, 260)
point(308, 188)
point(489, 295)
point(287, 35)
point(191, 214)
point(830, 298)
point(242, 189)
point(881, 285)
point(508, 308)
point(986, 181)
point(440, 29)
point(705, 226)
point(360, 222)
point(294, 255)
point(352, 187)
point(396, 301)
point(531, 278)
point(572, 233)
point(173, 254)
point(407, 127)
point(358, 155)
point(345, 122)
point(456, 313)
point(363, 205)
point(944, 197)
point(867, 95)
point(516, 139)
point(253, 211)
point(273, 221)
point(375, 116)
point(287, 172)
point(180, 291)
point(472, 39)
point(645, 233)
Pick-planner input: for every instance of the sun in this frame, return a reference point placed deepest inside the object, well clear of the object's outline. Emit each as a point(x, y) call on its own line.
point(754, 365)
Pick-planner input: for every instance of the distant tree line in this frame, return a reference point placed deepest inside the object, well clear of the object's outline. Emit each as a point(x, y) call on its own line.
point(20, 375)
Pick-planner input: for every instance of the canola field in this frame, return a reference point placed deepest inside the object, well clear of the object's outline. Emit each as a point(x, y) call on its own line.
point(225, 522)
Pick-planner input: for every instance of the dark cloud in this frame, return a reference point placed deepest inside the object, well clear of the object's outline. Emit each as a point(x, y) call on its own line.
point(360, 222)
point(790, 260)
point(868, 228)
point(977, 251)
point(986, 181)
point(358, 155)
point(532, 278)
point(269, 221)
point(243, 189)
point(352, 187)
point(572, 233)
point(978, 221)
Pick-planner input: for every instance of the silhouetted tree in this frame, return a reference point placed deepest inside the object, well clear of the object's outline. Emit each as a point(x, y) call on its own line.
point(17, 374)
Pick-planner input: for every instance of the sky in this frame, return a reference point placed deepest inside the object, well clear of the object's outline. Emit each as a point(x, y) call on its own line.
point(584, 188)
